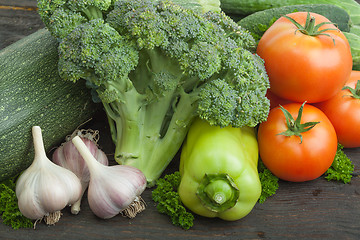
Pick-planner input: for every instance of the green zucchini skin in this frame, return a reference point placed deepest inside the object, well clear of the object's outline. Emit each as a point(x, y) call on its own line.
point(247, 7)
point(257, 22)
point(32, 93)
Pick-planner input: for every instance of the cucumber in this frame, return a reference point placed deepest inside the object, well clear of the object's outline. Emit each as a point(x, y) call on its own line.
point(247, 7)
point(32, 93)
point(355, 29)
point(258, 22)
point(354, 41)
point(201, 6)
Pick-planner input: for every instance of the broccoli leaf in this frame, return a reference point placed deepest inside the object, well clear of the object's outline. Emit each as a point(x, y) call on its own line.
point(341, 169)
point(168, 200)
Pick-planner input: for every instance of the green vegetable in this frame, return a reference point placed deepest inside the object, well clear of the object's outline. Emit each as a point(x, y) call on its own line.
point(9, 209)
point(32, 93)
point(168, 201)
point(247, 7)
point(202, 6)
point(269, 182)
point(341, 169)
point(61, 17)
point(355, 29)
point(155, 66)
point(258, 22)
point(354, 41)
point(218, 167)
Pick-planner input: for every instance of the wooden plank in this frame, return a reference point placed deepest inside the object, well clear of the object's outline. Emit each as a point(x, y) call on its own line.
point(19, 3)
point(18, 22)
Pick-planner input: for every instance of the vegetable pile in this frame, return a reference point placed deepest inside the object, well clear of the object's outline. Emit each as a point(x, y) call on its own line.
point(185, 77)
point(155, 66)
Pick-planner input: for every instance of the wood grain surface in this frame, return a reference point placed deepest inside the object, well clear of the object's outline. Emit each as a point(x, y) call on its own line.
point(312, 210)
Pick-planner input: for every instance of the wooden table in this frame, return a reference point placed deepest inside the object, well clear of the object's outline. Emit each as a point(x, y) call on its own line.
point(312, 210)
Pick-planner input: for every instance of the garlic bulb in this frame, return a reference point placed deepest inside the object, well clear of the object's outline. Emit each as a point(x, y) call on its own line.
point(69, 157)
point(112, 189)
point(45, 188)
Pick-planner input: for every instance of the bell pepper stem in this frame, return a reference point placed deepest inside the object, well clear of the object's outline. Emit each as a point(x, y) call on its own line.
point(218, 192)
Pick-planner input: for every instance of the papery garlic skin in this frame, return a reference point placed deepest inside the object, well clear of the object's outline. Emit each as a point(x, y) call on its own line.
point(112, 192)
point(111, 188)
point(69, 157)
point(45, 187)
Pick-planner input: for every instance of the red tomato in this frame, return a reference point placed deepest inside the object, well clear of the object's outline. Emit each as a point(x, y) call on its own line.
point(286, 156)
point(275, 101)
point(302, 67)
point(343, 110)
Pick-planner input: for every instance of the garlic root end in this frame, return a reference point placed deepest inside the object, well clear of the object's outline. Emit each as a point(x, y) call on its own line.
point(137, 206)
point(49, 219)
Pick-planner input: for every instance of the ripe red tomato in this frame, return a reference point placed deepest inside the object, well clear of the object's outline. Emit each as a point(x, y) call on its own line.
point(343, 111)
point(275, 101)
point(302, 67)
point(289, 158)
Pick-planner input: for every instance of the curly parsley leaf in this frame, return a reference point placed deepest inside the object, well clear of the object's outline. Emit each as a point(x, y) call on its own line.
point(341, 169)
point(269, 182)
point(168, 201)
point(9, 209)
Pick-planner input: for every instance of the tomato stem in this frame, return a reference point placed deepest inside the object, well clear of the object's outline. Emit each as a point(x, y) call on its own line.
point(295, 127)
point(310, 28)
point(355, 92)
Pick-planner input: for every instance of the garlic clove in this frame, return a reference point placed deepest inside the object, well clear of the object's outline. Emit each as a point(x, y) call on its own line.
point(69, 157)
point(111, 193)
point(44, 187)
point(112, 189)
point(27, 206)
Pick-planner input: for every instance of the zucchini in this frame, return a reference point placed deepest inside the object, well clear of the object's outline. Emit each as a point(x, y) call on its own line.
point(32, 93)
point(354, 41)
point(258, 22)
point(247, 7)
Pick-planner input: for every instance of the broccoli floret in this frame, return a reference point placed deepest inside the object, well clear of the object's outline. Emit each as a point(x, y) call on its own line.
point(155, 66)
point(62, 16)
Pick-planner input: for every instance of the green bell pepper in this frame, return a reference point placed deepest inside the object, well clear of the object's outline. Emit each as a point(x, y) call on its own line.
point(218, 168)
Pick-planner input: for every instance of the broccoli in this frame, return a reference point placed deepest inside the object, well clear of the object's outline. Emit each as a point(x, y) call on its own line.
point(155, 66)
point(62, 16)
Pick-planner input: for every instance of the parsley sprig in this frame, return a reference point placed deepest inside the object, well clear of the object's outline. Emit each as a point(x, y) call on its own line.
point(9, 209)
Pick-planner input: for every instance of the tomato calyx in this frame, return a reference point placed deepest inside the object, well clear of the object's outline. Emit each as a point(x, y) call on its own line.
point(355, 92)
point(310, 28)
point(295, 127)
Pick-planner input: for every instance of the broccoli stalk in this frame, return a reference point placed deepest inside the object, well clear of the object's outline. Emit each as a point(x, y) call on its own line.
point(146, 138)
point(155, 66)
